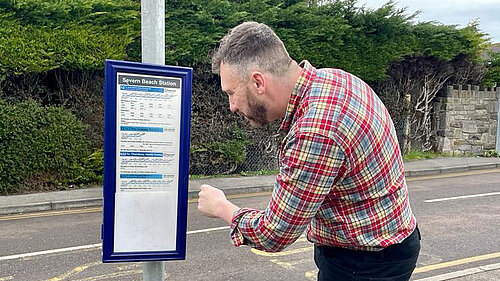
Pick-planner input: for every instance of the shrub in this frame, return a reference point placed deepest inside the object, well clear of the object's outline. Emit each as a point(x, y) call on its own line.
point(40, 144)
point(491, 153)
point(92, 168)
point(226, 155)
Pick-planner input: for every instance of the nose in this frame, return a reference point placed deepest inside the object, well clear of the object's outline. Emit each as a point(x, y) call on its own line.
point(232, 106)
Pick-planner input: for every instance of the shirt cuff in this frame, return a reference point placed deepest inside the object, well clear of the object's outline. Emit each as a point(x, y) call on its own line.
point(236, 234)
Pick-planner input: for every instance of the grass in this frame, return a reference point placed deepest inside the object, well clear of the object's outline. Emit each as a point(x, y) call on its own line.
point(418, 155)
point(412, 155)
point(242, 174)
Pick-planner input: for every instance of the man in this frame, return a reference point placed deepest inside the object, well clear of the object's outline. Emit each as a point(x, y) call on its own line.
point(341, 177)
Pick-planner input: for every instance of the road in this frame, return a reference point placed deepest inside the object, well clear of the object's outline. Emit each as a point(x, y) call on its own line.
point(458, 214)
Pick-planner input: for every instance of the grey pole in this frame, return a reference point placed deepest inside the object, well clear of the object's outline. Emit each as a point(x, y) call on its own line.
point(498, 118)
point(153, 31)
point(153, 51)
point(153, 271)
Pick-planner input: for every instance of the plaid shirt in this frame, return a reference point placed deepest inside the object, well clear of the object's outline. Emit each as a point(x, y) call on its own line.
point(341, 177)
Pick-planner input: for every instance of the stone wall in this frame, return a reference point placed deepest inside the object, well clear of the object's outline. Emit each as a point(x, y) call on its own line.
point(465, 119)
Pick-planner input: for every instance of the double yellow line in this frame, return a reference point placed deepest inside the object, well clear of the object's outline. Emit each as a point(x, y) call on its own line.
point(99, 209)
point(50, 213)
point(236, 196)
point(456, 262)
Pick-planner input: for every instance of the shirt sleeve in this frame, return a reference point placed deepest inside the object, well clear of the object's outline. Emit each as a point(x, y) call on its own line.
point(309, 167)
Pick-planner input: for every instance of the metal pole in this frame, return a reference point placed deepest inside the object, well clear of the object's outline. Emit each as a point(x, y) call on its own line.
point(153, 31)
point(498, 119)
point(153, 51)
point(153, 271)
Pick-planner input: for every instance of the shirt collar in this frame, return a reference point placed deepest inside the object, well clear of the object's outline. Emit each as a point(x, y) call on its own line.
point(299, 91)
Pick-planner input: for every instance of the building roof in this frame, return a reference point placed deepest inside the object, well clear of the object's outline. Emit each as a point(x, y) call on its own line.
point(495, 47)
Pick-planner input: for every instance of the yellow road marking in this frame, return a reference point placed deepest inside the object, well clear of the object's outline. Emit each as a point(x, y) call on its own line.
point(256, 194)
point(74, 271)
point(6, 278)
point(111, 275)
point(311, 275)
point(284, 264)
point(417, 178)
point(290, 264)
point(99, 209)
point(129, 266)
point(452, 175)
point(50, 213)
point(456, 262)
point(285, 253)
point(238, 196)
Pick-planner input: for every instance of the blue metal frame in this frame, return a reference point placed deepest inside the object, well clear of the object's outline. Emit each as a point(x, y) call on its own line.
point(107, 231)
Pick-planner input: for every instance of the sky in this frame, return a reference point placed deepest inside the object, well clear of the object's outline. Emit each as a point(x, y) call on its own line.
point(459, 12)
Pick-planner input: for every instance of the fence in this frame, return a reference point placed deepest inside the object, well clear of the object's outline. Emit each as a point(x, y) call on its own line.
point(261, 152)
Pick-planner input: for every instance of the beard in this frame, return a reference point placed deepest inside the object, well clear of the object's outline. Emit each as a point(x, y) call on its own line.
point(257, 110)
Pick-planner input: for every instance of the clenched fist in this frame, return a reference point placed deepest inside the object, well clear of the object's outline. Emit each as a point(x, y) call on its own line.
point(213, 203)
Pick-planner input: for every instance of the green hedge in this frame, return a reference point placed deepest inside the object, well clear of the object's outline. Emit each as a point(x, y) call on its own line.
point(53, 52)
point(41, 144)
point(40, 35)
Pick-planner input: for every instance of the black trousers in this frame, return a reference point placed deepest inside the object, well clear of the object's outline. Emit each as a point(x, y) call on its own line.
point(394, 263)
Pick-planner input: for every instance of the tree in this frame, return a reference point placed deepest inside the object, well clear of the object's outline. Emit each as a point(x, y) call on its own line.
point(492, 77)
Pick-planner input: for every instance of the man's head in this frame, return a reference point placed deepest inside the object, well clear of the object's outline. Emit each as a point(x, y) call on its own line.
point(252, 45)
point(252, 62)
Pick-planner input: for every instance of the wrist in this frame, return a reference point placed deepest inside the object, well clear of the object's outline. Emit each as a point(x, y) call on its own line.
point(226, 210)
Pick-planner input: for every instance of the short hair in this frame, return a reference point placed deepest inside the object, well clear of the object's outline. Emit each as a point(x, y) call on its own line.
point(252, 44)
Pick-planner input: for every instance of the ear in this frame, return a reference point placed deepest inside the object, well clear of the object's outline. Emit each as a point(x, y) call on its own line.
point(258, 81)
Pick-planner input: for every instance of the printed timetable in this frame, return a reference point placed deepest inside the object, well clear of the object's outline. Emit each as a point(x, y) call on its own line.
point(148, 130)
point(147, 118)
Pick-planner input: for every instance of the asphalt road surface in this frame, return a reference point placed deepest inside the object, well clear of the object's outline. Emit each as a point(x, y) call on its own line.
point(458, 214)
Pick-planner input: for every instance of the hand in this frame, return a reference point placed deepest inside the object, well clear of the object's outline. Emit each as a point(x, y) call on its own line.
point(213, 203)
point(210, 199)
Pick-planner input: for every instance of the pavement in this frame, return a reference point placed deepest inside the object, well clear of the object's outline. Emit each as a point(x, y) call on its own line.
point(92, 196)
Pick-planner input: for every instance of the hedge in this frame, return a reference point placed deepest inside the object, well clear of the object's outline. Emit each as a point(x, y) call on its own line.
point(53, 52)
point(44, 144)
